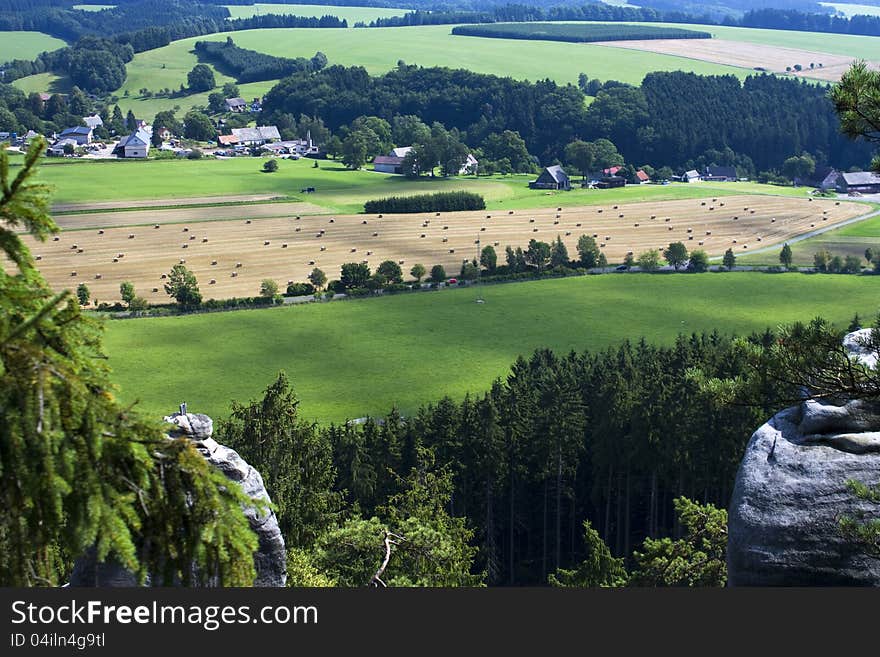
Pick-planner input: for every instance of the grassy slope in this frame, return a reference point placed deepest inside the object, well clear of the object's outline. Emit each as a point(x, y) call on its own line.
point(351, 14)
point(338, 190)
point(362, 357)
point(379, 49)
point(26, 45)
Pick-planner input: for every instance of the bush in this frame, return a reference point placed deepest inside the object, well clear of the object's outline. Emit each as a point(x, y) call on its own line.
point(270, 166)
point(439, 202)
point(300, 289)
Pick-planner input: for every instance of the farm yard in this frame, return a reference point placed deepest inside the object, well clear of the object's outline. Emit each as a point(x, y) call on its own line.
point(231, 257)
point(356, 358)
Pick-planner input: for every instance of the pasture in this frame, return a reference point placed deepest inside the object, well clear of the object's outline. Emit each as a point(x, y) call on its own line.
point(26, 45)
point(94, 183)
point(231, 257)
point(353, 358)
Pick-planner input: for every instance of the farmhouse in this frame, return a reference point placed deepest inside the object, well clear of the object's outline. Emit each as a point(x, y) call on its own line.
point(387, 164)
point(551, 178)
point(690, 176)
point(720, 174)
point(863, 182)
point(82, 135)
point(470, 165)
point(826, 178)
point(255, 136)
point(642, 177)
point(164, 133)
point(137, 144)
point(93, 121)
point(57, 149)
point(236, 104)
point(609, 182)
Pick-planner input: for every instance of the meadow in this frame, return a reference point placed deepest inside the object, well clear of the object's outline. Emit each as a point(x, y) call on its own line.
point(354, 358)
point(26, 45)
point(337, 188)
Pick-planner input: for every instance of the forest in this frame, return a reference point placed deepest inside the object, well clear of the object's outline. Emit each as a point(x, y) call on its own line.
point(672, 119)
point(577, 33)
point(606, 438)
point(250, 65)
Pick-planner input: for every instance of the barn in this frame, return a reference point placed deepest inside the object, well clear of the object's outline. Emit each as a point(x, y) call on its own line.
point(551, 178)
point(863, 182)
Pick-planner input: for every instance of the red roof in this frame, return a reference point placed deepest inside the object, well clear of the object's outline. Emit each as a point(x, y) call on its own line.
point(226, 140)
point(641, 175)
point(612, 171)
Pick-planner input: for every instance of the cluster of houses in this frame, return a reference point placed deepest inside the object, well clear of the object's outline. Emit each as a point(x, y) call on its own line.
point(267, 139)
point(554, 177)
point(135, 145)
point(393, 162)
point(857, 182)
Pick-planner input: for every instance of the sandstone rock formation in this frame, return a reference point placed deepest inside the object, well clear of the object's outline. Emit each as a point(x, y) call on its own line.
point(791, 492)
point(270, 560)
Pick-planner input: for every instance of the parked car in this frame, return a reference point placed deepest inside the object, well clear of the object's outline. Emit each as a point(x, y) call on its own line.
point(621, 268)
point(452, 281)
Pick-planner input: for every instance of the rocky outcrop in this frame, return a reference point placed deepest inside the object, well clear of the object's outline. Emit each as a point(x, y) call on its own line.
point(270, 559)
point(791, 492)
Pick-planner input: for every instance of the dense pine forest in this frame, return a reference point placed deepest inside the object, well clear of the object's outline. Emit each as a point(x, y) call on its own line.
point(611, 438)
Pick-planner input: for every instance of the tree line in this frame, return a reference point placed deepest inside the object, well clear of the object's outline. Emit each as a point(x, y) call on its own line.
point(437, 202)
point(252, 66)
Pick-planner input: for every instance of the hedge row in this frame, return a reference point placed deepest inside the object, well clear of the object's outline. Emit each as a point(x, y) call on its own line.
point(578, 33)
point(439, 202)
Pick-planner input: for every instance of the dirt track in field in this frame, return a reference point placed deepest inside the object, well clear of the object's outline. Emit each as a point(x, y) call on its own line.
point(177, 215)
point(287, 249)
point(747, 55)
point(161, 202)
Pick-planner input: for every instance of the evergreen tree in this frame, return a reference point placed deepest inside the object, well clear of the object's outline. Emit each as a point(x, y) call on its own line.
point(558, 253)
point(785, 256)
point(79, 470)
point(729, 259)
point(600, 568)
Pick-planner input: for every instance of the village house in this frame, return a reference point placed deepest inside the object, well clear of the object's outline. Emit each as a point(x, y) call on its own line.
point(392, 163)
point(163, 133)
point(861, 182)
point(690, 176)
point(135, 145)
point(642, 177)
point(60, 147)
point(82, 135)
point(715, 173)
point(609, 182)
point(255, 136)
point(551, 178)
point(826, 178)
point(93, 121)
point(236, 105)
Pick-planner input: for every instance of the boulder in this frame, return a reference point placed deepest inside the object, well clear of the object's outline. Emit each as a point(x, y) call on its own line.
point(791, 492)
point(270, 559)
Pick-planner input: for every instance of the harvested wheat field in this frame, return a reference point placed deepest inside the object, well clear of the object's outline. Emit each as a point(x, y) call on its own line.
point(748, 55)
point(231, 258)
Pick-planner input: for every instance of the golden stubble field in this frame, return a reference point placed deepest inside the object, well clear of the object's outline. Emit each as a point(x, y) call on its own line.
point(231, 257)
point(748, 55)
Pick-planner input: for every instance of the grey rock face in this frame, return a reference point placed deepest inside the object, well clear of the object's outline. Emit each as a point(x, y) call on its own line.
point(790, 494)
point(270, 559)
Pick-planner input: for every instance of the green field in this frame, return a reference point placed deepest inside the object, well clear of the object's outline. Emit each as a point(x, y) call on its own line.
point(349, 359)
point(337, 189)
point(351, 14)
point(378, 50)
point(26, 45)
